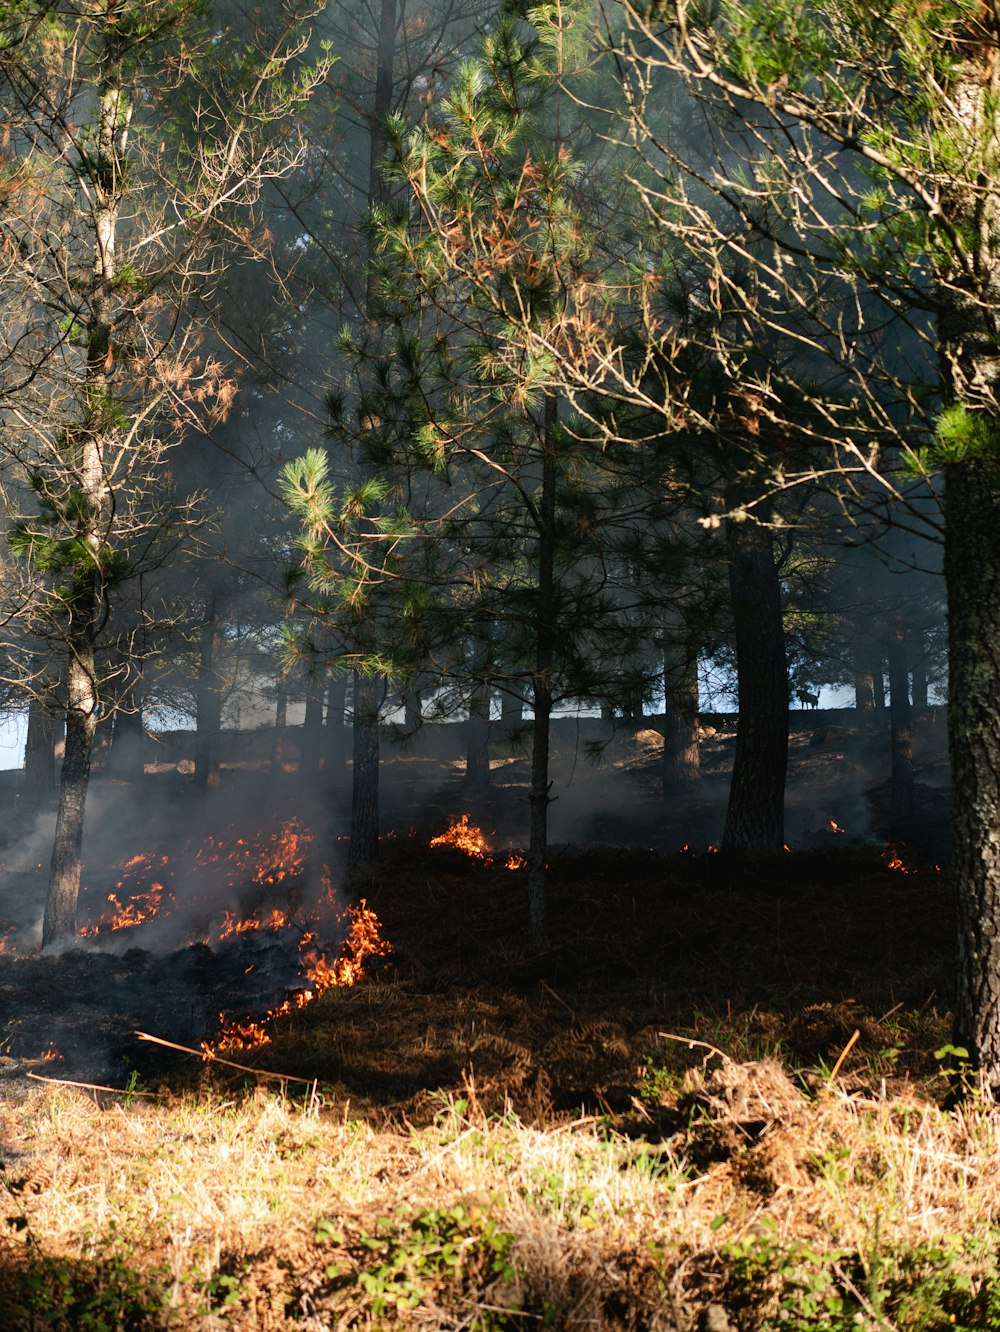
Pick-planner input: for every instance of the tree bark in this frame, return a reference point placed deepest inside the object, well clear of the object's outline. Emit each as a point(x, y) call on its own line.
point(59, 922)
point(755, 815)
point(363, 853)
point(39, 756)
point(900, 734)
point(208, 703)
point(972, 574)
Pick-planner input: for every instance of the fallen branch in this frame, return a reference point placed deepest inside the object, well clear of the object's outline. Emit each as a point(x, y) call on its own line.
point(209, 1056)
point(843, 1055)
point(90, 1086)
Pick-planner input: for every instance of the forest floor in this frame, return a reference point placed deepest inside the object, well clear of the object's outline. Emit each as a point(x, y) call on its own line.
point(717, 1101)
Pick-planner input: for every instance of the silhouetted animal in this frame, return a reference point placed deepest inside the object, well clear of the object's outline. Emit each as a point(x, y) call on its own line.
point(807, 700)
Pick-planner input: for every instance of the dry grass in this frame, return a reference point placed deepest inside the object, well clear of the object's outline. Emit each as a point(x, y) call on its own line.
point(606, 1230)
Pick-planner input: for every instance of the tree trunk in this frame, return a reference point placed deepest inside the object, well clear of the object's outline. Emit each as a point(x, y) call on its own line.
point(363, 853)
point(311, 749)
point(278, 745)
point(864, 690)
point(39, 756)
point(755, 815)
point(413, 710)
point(917, 653)
point(477, 749)
point(128, 739)
point(901, 735)
point(541, 683)
point(59, 923)
point(681, 755)
point(511, 711)
point(208, 702)
point(972, 575)
point(336, 729)
point(878, 686)
point(88, 516)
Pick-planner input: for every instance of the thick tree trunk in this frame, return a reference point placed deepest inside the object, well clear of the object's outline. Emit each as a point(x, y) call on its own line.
point(972, 575)
point(39, 756)
point(208, 703)
point(363, 853)
point(59, 923)
point(755, 815)
point(901, 735)
point(541, 684)
point(681, 755)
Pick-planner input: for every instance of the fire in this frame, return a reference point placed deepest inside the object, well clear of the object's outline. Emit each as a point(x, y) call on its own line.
point(466, 837)
point(363, 940)
point(263, 861)
point(49, 1055)
point(227, 864)
point(514, 861)
point(275, 920)
point(6, 945)
point(834, 826)
point(895, 862)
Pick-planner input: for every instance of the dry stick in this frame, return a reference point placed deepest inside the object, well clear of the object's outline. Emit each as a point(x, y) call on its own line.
point(90, 1086)
point(690, 1042)
point(843, 1055)
point(209, 1057)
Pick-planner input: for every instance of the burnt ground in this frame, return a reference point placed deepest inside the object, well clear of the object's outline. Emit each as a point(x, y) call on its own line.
point(645, 942)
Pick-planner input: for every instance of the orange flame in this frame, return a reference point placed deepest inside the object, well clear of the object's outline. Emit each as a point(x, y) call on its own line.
point(364, 940)
point(894, 862)
point(465, 837)
point(514, 861)
point(834, 826)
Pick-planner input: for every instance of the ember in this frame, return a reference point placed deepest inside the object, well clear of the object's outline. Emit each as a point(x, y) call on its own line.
point(465, 837)
point(834, 826)
point(515, 862)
